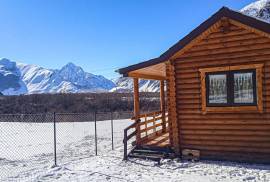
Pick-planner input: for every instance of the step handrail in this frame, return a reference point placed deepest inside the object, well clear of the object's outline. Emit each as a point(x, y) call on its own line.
point(128, 137)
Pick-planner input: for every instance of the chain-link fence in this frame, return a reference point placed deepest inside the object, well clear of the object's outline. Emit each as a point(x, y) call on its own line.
point(32, 143)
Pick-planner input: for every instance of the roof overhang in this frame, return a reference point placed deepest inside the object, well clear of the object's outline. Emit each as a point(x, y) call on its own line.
point(153, 72)
point(153, 67)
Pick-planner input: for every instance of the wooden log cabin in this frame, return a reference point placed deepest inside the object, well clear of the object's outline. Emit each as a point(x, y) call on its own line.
point(218, 91)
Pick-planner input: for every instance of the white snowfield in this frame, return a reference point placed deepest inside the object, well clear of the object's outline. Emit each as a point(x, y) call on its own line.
point(26, 154)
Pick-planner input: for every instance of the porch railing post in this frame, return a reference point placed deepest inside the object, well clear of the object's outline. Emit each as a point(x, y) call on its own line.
point(125, 144)
point(162, 105)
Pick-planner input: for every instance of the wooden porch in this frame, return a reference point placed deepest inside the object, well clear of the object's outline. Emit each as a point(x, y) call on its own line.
point(150, 130)
point(153, 129)
point(151, 137)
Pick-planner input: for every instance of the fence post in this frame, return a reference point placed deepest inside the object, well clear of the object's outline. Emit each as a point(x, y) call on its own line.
point(125, 144)
point(96, 131)
point(54, 136)
point(112, 128)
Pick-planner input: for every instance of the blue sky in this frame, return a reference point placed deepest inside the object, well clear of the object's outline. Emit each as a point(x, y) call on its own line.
point(98, 35)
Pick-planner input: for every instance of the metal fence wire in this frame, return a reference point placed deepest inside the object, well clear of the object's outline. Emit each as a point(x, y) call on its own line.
point(34, 142)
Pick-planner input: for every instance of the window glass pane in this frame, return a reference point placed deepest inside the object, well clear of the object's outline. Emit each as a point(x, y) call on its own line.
point(217, 89)
point(243, 88)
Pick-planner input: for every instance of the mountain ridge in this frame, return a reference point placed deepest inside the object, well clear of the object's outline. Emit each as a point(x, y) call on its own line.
point(33, 79)
point(259, 9)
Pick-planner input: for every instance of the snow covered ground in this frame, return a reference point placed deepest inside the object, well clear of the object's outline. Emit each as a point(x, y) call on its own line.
point(26, 154)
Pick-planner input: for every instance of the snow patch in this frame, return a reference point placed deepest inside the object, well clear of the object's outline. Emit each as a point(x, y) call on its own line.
point(26, 154)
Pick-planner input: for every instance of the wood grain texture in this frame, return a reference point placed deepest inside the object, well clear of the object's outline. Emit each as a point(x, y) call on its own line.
point(230, 136)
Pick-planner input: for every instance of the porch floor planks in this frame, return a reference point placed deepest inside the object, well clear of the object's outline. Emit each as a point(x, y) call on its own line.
point(159, 141)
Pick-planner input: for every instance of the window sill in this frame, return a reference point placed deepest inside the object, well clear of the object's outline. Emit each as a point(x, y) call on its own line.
point(239, 109)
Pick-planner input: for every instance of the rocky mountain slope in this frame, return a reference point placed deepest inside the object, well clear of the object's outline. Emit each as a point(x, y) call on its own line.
point(259, 9)
point(124, 84)
point(19, 78)
point(10, 78)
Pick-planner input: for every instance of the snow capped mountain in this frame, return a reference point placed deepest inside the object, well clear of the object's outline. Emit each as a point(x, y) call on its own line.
point(124, 84)
point(259, 9)
point(11, 84)
point(20, 78)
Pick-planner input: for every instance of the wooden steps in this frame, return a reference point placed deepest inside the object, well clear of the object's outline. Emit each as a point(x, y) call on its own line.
point(151, 153)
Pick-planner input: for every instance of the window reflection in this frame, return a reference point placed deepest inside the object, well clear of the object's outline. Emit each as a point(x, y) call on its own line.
point(217, 89)
point(243, 88)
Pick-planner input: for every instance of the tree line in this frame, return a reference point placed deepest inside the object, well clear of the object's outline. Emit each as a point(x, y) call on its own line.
point(77, 103)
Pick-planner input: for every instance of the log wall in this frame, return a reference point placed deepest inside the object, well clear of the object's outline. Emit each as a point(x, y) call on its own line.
point(228, 136)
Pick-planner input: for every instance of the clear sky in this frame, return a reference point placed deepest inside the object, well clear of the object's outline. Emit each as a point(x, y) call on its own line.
point(98, 35)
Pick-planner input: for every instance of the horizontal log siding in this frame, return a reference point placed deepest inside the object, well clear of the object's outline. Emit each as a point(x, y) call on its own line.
point(228, 136)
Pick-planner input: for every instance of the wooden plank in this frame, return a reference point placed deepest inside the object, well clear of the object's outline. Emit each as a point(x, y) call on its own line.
point(151, 120)
point(250, 29)
point(225, 121)
point(227, 132)
point(145, 76)
point(228, 50)
point(258, 40)
point(220, 34)
point(151, 128)
point(225, 127)
point(131, 135)
point(247, 54)
point(227, 138)
point(229, 116)
point(228, 143)
point(162, 105)
point(241, 37)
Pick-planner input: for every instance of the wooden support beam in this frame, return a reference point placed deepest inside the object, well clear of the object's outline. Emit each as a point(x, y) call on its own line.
point(162, 105)
point(137, 108)
point(144, 76)
point(172, 109)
